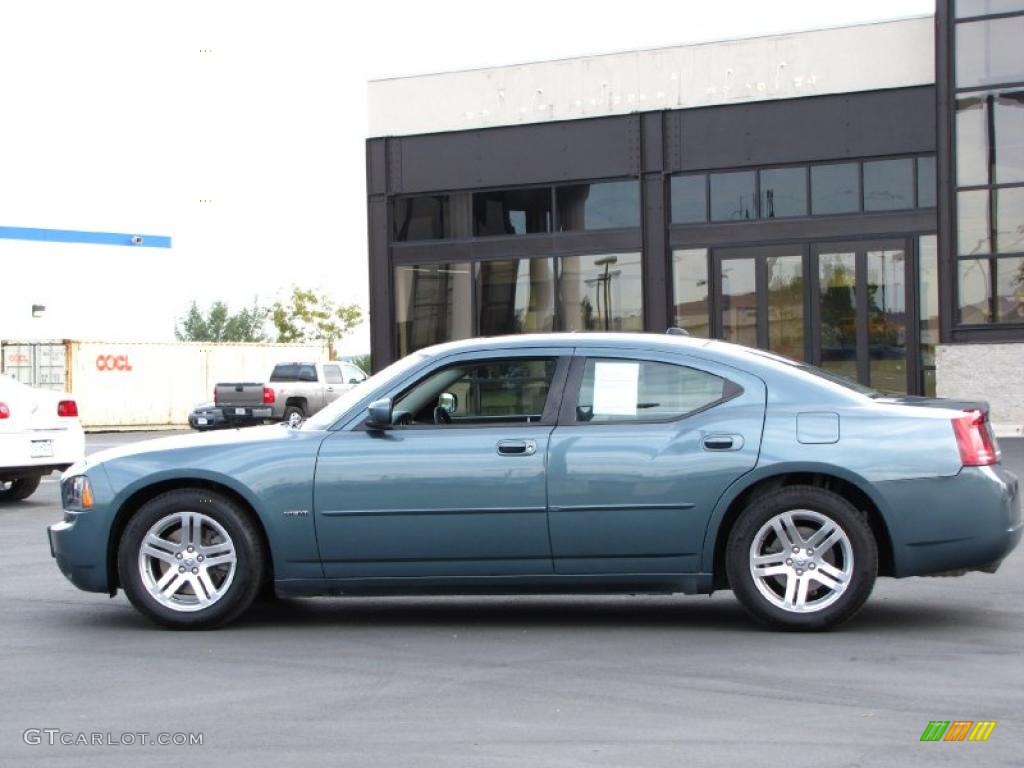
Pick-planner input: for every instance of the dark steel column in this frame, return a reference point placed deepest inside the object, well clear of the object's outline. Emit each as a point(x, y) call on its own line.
point(656, 277)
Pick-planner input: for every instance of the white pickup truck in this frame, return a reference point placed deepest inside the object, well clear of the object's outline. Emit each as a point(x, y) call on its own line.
point(293, 388)
point(39, 433)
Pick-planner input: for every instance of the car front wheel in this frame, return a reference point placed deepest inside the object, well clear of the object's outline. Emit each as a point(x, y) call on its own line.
point(801, 558)
point(191, 559)
point(18, 490)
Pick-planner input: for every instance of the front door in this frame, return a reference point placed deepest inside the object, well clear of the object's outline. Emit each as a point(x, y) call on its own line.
point(646, 444)
point(456, 486)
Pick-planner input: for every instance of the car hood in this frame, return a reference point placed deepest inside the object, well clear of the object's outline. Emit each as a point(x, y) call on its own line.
point(271, 432)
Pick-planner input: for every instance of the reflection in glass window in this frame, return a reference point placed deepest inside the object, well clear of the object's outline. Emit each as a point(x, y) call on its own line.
point(972, 140)
point(835, 188)
point(689, 198)
point(838, 311)
point(732, 196)
point(1009, 133)
point(601, 293)
point(516, 296)
point(1010, 290)
point(738, 279)
point(975, 285)
point(607, 205)
point(1009, 202)
point(512, 212)
point(783, 192)
point(926, 183)
point(433, 303)
point(422, 218)
point(965, 8)
point(887, 320)
point(888, 185)
point(785, 293)
point(928, 298)
point(643, 390)
point(988, 52)
point(973, 230)
point(690, 291)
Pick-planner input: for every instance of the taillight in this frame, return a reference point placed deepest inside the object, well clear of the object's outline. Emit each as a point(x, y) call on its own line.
point(5, 412)
point(974, 438)
point(216, 400)
point(68, 409)
point(269, 396)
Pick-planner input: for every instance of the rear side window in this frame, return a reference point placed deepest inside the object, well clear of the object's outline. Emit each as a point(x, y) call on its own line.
point(643, 390)
point(333, 374)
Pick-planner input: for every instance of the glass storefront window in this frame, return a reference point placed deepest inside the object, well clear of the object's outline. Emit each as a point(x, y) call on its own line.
point(838, 311)
point(972, 140)
point(425, 217)
point(973, 226)
point(732, 196)
point(1009, 133)
point(516, 296)
point(783, 192)
point(785, 276)
point(512, 212)
point(888, 185)
point(975, 300)
point(926, 183)
point(1010, 290)
point(1009, 205)
point(689, 199)
point(603, 292)
point(835, 188)
point(988, 52)
point(965, 8)
point(928, 298)
point(433, 303)
point(607, 205)
point(887, 320)
point(738, 279)
point(690, 291)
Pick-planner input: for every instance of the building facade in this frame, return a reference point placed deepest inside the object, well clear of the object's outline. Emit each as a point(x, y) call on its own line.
point(853, 197)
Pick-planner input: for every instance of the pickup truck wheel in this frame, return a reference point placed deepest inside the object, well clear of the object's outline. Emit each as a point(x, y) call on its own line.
point(191, 559)
point(801, 558)
point(18, 490)
point(293, 409)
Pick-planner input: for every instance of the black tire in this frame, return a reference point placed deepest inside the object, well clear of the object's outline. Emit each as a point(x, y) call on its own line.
point(250, 568)
point(839, 511)
point(293, 409)
point(20, 489)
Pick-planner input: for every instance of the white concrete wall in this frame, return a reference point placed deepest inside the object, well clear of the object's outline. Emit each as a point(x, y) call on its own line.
point(865, 57)
point(992, 372)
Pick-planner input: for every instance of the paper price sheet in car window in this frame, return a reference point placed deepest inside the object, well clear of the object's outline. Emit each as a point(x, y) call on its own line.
point(615, 388)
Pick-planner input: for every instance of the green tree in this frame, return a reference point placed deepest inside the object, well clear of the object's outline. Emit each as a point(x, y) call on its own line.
point(217, 323)
point(306, 316)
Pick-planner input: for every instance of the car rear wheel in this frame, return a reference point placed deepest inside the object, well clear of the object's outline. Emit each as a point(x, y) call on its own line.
point(191, 559)
point(18, 490)
point(801, 558)
point(293, 409)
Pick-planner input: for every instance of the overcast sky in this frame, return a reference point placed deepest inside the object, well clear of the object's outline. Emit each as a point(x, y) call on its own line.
point(116, 118)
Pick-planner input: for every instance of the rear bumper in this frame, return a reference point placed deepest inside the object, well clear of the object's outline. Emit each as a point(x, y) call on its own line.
point(239, 415)
point(66, 446)
point(970, 521)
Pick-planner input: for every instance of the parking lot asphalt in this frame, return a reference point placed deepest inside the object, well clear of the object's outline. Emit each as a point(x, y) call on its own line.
point(509, 681)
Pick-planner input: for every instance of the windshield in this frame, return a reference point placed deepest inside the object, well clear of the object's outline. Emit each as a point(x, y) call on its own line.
point(835, 378)
point(325, 418)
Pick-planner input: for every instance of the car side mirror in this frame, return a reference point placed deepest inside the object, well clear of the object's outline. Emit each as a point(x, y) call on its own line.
point(448, 401)
point(379, 413)
point(354, 380)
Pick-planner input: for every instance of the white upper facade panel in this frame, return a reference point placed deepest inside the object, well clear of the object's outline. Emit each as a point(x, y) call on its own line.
point(865, 57)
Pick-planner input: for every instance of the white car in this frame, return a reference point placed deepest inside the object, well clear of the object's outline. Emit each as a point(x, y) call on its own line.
point(39, 432)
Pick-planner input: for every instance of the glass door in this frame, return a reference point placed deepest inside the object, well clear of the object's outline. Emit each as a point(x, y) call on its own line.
point(861, 299)
point(760, 298)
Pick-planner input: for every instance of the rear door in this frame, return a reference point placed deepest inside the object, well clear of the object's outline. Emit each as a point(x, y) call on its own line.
point(334, 382)
point(646, 443)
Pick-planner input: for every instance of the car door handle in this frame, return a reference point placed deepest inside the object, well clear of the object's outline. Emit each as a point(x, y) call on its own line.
point(722, 442)
point(517, 447)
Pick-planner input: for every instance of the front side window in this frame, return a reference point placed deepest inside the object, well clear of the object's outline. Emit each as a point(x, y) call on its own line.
point(643, 390)
point(512, 391)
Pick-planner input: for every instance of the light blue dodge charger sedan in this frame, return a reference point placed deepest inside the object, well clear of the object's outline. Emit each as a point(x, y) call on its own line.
point(554, 463)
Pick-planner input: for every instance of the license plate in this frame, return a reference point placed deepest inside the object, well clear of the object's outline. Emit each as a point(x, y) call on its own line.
point(41, 449)
point(201, 421)
point(239, 411)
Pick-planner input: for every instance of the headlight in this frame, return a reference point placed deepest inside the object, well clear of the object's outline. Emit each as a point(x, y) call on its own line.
point(77, 493)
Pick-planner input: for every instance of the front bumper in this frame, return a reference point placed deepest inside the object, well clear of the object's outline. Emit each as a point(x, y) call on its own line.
point(79, 543)
point(970, 521)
